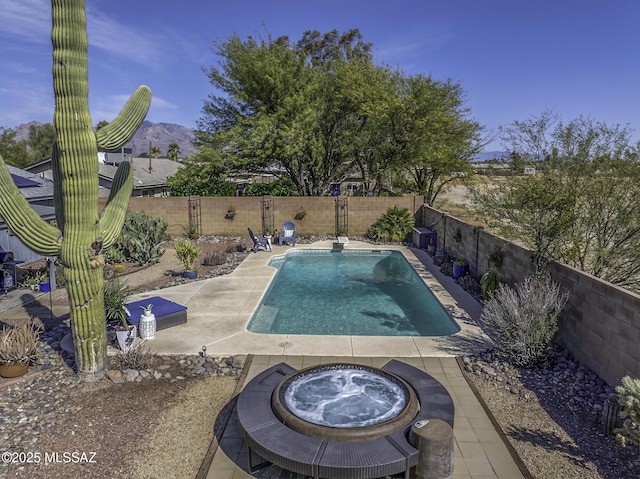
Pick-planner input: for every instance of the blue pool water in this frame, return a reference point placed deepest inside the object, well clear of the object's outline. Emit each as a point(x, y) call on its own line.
point(349, 293)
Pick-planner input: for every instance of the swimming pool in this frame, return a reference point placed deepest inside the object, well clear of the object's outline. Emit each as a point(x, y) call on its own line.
point(351, 293)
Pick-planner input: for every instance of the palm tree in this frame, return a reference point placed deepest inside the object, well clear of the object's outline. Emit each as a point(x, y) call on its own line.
point(174, 151)
point(155, 151)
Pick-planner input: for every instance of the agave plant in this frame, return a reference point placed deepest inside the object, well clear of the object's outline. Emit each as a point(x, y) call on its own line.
point(19, 344)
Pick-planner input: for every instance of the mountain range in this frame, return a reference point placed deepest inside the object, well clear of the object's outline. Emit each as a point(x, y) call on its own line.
point(159, 135)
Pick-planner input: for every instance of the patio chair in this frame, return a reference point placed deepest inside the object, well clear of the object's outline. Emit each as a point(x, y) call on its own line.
point(259, 242)
point(288, 233)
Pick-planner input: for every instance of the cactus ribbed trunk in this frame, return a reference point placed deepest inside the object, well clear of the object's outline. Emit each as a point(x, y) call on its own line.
point(81, 231)
point(77, 154)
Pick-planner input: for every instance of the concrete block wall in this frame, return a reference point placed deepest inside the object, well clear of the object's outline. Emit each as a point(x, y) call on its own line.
point(320, 218)
point(601, 322)
point(600, 325)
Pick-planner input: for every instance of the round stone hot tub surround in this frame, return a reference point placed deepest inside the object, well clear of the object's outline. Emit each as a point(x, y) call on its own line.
point(344, 402)
point(271, 437)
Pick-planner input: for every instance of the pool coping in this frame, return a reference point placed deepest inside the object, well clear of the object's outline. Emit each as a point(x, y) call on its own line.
point(219, 310)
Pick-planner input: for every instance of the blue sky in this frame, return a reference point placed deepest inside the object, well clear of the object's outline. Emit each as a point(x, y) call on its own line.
point(514, 58)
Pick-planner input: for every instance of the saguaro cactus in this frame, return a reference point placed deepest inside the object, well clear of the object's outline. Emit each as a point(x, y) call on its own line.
point(81, 232)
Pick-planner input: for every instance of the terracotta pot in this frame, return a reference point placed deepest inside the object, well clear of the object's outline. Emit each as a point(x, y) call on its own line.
point(13, 370)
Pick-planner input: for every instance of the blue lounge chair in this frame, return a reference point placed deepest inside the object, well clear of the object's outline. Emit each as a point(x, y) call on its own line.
point(259, 242)
point(288, 233)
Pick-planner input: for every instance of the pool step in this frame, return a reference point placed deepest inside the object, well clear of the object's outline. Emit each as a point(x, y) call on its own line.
point(264, 319)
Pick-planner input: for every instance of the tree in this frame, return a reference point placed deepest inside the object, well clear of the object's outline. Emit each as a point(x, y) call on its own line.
point(582, 207)
point(433, 138)
point(279, 187)
point(40, 141)
point(321, 110)
point(14, 152)
point(81, 232)
point(204, 174)
point(155, 152)
point(289, 105)
point(174, 151)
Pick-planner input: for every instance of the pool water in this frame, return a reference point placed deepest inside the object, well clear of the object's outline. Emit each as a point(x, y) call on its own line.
point(349, 293)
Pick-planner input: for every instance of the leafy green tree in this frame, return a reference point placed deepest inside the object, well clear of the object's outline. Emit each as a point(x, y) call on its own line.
point(174, 151)
point(433, 137)
point(15, 153)
point(101, 124)
point(155, 152)
point(279, 187)
point(40, 141)
point(202, 175)
point(288, 104)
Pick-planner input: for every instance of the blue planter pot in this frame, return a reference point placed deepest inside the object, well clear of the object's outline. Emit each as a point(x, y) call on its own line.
point(459, 270)
point(45, 287)
point(190, 274)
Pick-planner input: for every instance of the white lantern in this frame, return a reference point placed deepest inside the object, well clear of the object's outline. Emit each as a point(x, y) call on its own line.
point(147, 324)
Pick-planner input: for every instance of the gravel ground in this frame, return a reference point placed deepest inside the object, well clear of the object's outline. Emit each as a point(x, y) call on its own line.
point(552, 416)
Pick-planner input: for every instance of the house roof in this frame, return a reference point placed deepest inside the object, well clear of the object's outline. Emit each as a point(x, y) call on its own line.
point(32, 186)
point(143, 177)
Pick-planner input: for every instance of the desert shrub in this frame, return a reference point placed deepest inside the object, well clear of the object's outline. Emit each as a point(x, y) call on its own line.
point(470, 284)
point(140, 240)
point(215, 259)
point(33, 277)
point(234, 248)
point(137, 357)
point(393, 226)
point(629, 399)
point(113, 255)
point(524, 320)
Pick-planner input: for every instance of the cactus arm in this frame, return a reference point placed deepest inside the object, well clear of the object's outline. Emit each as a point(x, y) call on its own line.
point(24, 222)
point(116, 134)
point(114, 212)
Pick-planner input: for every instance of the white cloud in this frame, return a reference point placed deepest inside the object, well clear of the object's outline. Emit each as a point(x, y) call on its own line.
point(28, 19)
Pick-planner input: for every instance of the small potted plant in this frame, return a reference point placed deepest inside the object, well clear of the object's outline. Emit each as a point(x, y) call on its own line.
point(460, 268)
point(187, 253)
point(116, 292)
point(18, 348)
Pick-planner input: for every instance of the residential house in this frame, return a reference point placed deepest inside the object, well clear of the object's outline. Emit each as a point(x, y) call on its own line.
point(149, 174)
